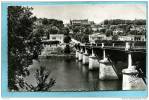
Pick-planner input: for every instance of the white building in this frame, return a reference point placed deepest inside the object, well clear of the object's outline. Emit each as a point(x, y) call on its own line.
point(132, 38)
point(116, 31)
point(125, 38)
point(96, 28)
point(98, 36)
point(56, 37)
point(79, 22)
point(139, 28)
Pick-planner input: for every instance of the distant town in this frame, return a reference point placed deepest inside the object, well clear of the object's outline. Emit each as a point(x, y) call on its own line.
point(89, 32)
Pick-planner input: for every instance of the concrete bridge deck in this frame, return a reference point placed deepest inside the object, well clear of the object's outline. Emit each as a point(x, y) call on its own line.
point(126, 59)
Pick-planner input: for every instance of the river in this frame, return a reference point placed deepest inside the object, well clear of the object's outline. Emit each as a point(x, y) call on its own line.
point(72, 75)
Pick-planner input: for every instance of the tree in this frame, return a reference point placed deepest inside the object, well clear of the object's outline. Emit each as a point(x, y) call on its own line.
point(115, 37)
point(106, 22)
point(54, 30)
point(76, 29)
point(85, 38)
point(41, 76)
point(139, 22)
point(67, 49)
point(47, 29)
point(38, 30)
point(109, 32)
point(52, 26)
point(88, 30)
point(64, 31)
point(45, 21)
point(133, 32)
point(128, 28)
point(67, 39)
point(120, 33)
point(102, 30)
point(21, 42)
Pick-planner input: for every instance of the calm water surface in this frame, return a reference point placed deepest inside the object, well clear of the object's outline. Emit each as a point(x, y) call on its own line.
point(72, 75)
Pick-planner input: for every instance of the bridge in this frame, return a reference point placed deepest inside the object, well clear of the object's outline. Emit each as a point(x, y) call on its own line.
point(116, 60)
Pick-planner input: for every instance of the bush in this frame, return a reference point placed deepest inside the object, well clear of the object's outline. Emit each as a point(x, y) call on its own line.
point(67, 49)
point(41, 76)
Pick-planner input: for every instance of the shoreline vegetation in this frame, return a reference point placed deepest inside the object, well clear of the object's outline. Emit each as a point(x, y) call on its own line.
point(58, 55)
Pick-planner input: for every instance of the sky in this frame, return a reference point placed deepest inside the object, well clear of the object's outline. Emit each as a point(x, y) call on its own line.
point(96, 13)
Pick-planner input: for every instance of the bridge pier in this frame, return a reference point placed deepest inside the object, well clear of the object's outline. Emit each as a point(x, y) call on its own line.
point(77, 53)
point(85, 57)
point(93, 61)
point(81, 55)
point(131, 81)
point(106, 70)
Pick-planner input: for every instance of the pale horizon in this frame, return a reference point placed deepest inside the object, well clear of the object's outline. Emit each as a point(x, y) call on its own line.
point(96, 13)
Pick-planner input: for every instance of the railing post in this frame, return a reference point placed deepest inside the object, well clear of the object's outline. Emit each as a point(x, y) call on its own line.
point(104, 54)
point(85, 51)
point(129, 60)
point(113, 44)
point(133, 45)
point(81, 50)
point(102, 45)
point(93, 55)
point(96, 44)
point(127, 46)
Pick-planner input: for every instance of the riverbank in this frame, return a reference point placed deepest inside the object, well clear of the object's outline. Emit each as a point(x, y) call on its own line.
point(58, 55)
point(55, 51)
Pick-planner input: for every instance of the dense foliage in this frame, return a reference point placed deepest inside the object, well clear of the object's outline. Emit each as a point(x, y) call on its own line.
point(67, 40)
point(24, 44)
point(84, 38)
point(120, 21)
point(41, 77)
point(51, 26)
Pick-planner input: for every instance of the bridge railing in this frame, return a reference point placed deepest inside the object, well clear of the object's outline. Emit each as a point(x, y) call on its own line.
point(119, 45)
point(99, 44)
point(108, 44)
point(139, 45)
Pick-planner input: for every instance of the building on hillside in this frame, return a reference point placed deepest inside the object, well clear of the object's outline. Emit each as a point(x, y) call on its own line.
point(125, 38)
point(139, 28)
point(91, 22)
point(96, 28)
point(132, 38)
point(57, 37)
point(79, 22)
point(118, 30)
point(139, 38)
point(98, 36)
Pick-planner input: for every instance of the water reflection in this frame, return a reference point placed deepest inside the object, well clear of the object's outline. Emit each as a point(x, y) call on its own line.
point(72, 75)
point(84, 70)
